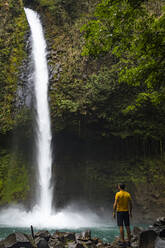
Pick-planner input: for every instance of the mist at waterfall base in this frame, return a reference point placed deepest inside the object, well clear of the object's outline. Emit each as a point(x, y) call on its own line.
point(17, 219)
point(42, 214)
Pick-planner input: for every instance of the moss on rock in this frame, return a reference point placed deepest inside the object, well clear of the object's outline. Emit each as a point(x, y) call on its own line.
point(13, 28)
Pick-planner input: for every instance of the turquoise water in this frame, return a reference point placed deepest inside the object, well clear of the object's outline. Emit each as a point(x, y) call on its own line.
point(107, 233)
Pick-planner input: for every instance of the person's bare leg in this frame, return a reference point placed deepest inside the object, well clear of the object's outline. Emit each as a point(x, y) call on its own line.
point(122, 233)
point(128, 233)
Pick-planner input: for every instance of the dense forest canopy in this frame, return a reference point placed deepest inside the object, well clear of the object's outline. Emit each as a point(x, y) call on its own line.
point(117, 83)
point(134, 35)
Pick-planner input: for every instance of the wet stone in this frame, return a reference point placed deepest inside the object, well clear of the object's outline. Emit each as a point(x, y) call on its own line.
point(16, 240)
point(137, 230)
point(162, 233)
point(159, 243)
point(147, 239)
point(69, 237)
point(43, 234)
point(42, 243)
point(134, 244)
point(58, 244)
point(86, 235)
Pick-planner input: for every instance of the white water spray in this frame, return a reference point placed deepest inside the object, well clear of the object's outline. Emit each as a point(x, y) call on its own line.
point(41, 215)
point(44, 156)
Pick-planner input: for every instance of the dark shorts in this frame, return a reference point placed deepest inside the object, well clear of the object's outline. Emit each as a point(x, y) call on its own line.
point(123, 218)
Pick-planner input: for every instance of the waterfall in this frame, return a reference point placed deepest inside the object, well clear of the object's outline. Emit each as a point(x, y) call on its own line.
point(41, 214)
point(43, 140)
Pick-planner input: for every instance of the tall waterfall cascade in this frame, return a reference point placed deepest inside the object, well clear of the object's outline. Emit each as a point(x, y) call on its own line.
point(41, 81)
point(42, 215)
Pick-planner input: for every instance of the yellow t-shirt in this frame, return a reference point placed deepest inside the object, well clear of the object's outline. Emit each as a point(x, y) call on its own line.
point(123, 198)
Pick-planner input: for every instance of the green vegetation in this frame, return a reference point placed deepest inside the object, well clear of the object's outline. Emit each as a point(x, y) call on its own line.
point(12, 54)
point(134, 36)
point(114, 85)
point(142, 177)
point(14, 179)
point(14, 176)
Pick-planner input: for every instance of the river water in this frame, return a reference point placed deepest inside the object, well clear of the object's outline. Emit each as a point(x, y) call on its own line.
point(105, 233)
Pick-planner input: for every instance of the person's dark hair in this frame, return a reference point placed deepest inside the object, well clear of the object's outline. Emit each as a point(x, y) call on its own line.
point(122, 185)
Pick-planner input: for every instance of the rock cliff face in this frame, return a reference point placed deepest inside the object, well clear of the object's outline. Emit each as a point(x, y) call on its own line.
point(13, 34)
point(87, 165)
point(14, 183)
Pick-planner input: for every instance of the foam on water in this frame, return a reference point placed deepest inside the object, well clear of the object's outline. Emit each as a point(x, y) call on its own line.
point(17, 216)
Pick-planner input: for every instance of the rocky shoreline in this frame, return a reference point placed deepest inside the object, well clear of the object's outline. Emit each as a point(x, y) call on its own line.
point(152, 237)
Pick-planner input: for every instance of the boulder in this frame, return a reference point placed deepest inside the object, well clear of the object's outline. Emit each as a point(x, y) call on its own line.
point(96, 241)
point(147, 239)
point(69, 236)
point(89, 243)
point(43, 234)
point(161, 220)
point(162, 233)
point(55, 243)
point(16, 240)
point(99, 245)
point(42, 243)
point(159, 243)
point(59, 244)
point(135, 244)
point(137, 230)
point(58, 235)
point(85, 235)
point(72, 245)
point(63, 236)
point(79, 245)
point(2, 244)
point(75, 245)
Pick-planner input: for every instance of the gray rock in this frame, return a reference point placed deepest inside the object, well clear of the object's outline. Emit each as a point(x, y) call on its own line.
point(76, 245)
point(56, 244)
point(69, 237)
point(72, 245)
point(100, 245)
point(43, 243)
point(96, 241)
point(137, 230)
point(52, 242)
point(59, 245)
point(89, 243)
point(43, 234)
point(147, 239)
point(162, 233)
point(135, 244)
point(16, 240)
point(161, 220)
point(134, 238)
point(85, 235)
point(159, 243)
point(78, 236)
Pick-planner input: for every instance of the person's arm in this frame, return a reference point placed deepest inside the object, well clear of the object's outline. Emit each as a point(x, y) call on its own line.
point(130, 207)
point(115, 207)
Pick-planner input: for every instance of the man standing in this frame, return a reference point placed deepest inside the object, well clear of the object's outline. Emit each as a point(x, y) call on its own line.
point(123, 207)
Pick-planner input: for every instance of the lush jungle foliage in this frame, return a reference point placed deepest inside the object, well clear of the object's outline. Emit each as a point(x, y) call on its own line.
point(14, 180)
point(14, 176)
point(13, 27)
point(134, 35)
point(108, 79)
